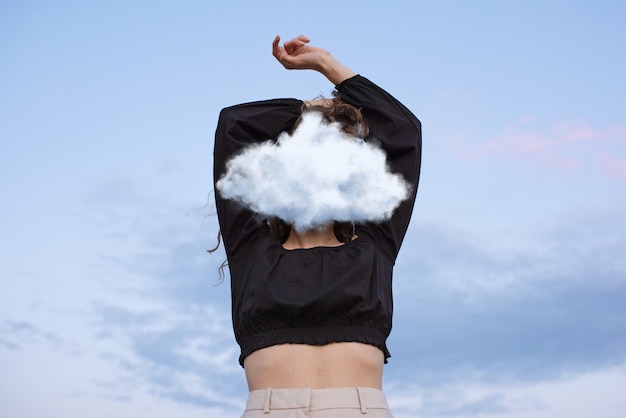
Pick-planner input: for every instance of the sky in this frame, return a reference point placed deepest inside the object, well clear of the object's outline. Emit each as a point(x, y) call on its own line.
point(510, 287)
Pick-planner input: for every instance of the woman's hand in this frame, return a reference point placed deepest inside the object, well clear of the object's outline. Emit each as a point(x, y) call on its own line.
point(296, 54)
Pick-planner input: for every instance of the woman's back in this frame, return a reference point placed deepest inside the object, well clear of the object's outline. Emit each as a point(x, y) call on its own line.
point(344, 364)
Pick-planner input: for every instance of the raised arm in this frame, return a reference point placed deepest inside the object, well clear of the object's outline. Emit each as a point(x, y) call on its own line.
point(399, 133)
point(239, 126)
point(391, 124)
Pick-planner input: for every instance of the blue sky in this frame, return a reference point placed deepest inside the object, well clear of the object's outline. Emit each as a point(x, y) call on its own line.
point(510, 288)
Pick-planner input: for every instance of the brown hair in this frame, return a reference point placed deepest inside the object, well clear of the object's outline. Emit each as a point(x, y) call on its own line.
point(344, 231)
point(336, 110)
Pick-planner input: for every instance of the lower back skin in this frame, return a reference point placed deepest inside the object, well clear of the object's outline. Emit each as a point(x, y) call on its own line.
point(345, 364)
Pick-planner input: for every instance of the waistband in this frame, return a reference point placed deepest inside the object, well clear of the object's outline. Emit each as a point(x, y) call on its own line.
point(317, 399)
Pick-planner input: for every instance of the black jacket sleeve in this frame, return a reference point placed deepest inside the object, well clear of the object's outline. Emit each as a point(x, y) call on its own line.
point(240, 126)
point(400, 135)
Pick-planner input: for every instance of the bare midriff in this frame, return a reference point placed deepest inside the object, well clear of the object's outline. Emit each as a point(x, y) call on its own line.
point(346, 364)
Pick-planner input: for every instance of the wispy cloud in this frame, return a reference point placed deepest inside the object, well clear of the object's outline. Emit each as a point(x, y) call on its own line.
point(186, 355)
point(565, 146)
point(158, 327)
point(613, 164)
point(180, 357)
point(18, 335)
point(574, 395)
point(463, 309)
point(170, 330)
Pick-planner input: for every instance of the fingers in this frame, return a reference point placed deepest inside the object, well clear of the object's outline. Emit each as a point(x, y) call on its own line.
point(298, 40)
point(290, 49)
point(303, 39)
point(295, 43)
point(276, 49)
point(291, 45)
point(280, 53)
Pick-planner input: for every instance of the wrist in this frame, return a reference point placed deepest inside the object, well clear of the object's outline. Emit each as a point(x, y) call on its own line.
point(334, 70)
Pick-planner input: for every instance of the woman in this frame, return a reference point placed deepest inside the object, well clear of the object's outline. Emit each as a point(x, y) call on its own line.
point(312, 311)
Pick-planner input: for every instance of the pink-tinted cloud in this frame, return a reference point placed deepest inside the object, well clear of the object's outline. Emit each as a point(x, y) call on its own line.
point(564, 146)
point(528, 143)
point(613, 164)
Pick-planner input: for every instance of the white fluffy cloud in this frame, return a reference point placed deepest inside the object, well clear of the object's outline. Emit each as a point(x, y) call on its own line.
point(314, 176)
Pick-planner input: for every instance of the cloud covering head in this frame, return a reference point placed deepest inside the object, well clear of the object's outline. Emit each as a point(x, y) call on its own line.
point(314, 176)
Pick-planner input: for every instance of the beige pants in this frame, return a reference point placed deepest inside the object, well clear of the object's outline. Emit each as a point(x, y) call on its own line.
point(317, 403)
